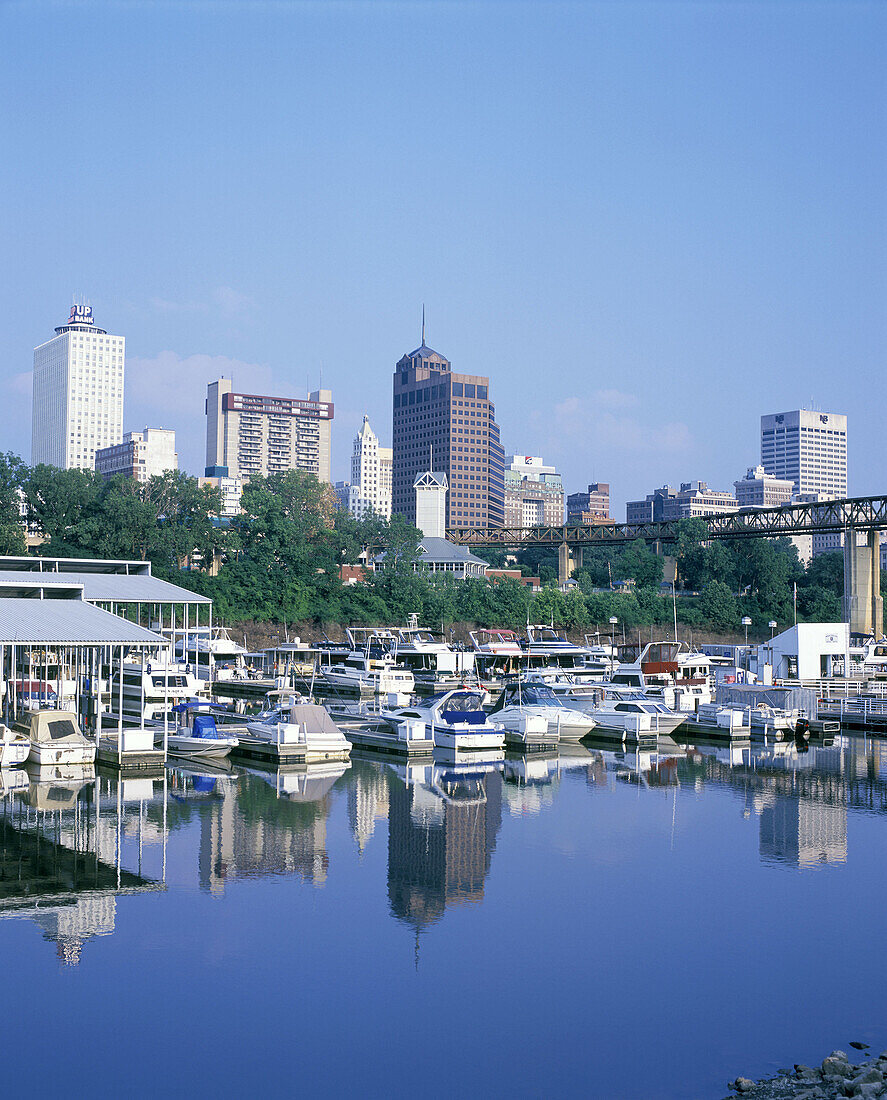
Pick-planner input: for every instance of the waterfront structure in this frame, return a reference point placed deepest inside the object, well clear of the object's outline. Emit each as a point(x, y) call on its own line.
point(250, 434)
point(448, 421)
point(534, 492)
point(807, 448)
point(592, 507)
point(77, 393)
point(140, 456)
point(759, 489)
point(231, 489)
point(694, 498)
point(369, 491)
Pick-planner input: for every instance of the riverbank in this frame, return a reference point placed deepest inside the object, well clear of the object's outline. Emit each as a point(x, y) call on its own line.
point(836, 1076)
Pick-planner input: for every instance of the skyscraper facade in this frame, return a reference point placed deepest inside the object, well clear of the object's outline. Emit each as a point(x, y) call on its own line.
point(446, 422)
point(78, 393)
point(807, 448)
point(370, 489)
point(534, 493)
point(249, 434)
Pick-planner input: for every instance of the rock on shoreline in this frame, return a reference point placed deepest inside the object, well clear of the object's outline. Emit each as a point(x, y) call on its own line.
point(837, 1076)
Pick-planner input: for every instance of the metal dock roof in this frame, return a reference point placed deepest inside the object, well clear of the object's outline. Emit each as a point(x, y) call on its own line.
point(67, 622)
point(105, 587)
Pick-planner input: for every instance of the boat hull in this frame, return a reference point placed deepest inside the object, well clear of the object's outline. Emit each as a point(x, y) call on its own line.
point(77, 753)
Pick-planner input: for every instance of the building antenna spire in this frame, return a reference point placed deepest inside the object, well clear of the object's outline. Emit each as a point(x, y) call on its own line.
point(423, 324)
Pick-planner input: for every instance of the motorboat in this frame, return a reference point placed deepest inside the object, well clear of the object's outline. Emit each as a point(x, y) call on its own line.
point(365, 725)
point(571, 689)
point(14, 747)
point(196, 735)
point(212, 653)
point(521, 701)
point(456, 720)
point(667, 670)
point(371, 666)
point(157, 681)
point(497, 654)
point(544, 648)
point(294, 723)
point(433, 662)
point(633, 714)
point(56, 738)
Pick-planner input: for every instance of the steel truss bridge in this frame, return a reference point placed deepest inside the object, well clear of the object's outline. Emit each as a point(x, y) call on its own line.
point(854, 513)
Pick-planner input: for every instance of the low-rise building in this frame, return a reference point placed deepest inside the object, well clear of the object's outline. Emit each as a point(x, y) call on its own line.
point(762, 490)
point(592, 507)
point(534, 493)
point(694, 498)
point(140, 456)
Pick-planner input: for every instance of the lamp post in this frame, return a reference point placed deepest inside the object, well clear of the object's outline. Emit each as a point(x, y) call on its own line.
point(746, 622)
point(772, 625)
point(614, 621)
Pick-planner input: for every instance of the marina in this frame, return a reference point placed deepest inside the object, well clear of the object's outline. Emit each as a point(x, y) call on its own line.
point(136, 874)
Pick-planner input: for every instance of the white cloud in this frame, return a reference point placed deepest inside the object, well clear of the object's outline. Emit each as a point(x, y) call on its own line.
point(613, 399)
point(169, 391)
point(22, 383)
point(576, 418)
point(232, 301)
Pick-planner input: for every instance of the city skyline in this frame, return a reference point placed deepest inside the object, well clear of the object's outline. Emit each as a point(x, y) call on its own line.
point(680, 234)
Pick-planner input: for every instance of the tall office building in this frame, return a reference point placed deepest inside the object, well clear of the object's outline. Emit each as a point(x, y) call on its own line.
point(247, 434)
point(370, 489)
point(807, 448)
point(141, 455)
point(446, 422)
point(78, 393)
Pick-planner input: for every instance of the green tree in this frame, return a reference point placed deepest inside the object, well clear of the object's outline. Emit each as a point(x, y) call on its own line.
point(718, 606)
point(13, 478)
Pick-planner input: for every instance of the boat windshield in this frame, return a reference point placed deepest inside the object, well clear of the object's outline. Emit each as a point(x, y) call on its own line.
point(460, 701)
point(533, 695)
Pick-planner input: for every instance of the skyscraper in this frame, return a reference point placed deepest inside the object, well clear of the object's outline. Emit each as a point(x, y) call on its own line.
point(446, 422)
point(370, 488)
point(807, 448)
point(78, 393)
point(248, 434)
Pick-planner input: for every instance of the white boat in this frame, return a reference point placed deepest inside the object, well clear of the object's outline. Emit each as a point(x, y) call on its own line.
point(56, 738)
point(544, 648)
point(371, 666)
point(432, 661)
point(14, 748)
point(497, 654)
point(456, 720)
point(668, 671)
point(633, 714)
point(365, 726)
point(298, 723)
point(213, 654)
point(521, 701)
point(160, 681)
point(196, 736)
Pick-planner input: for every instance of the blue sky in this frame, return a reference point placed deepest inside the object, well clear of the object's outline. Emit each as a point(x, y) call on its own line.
point(649, 223)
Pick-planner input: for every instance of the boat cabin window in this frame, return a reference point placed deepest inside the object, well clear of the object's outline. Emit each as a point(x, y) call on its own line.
point(463, 700)
point(632, 708)
point(533, 695)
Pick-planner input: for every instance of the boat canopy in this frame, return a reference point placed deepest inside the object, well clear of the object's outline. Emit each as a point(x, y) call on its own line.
point(56, 727)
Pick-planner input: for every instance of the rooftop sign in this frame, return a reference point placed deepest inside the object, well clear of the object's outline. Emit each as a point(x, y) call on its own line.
point(81, 315)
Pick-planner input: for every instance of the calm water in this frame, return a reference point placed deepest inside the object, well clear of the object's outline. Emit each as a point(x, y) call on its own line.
point(596, 924)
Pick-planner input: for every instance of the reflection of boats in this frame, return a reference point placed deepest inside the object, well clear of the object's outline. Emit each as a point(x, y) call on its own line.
point(297, 724)
point(456, 720)
point(522, 701)
point(196, 735)
point(57, 786)
point(55, 738)
point(304, 783)
point(12, 779)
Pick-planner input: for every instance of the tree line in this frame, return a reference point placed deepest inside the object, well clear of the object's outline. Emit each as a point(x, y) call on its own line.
point(280, 559)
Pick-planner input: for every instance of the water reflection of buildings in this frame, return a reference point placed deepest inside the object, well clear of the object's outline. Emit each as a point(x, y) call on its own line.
point(803, 832)
point(367, 801)
point(61, 859)
point(255, 825)
point(441, 837)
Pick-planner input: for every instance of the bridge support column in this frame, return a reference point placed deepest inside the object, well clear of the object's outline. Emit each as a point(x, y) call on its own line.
point(863, 604)
point(565, 564)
